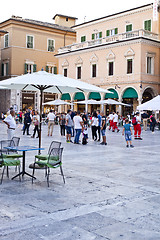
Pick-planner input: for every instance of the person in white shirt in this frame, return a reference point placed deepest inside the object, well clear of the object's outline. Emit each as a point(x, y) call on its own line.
point(78, 123)
point(11, 123)
point(51, 117)
point(110, 118)
point(115, 121)
point(94, 124)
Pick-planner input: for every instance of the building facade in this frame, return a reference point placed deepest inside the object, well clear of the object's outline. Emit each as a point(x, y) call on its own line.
point(28, 47)
point(120, 52)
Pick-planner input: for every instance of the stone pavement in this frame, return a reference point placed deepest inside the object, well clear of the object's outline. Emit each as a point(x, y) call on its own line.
point(111, 192)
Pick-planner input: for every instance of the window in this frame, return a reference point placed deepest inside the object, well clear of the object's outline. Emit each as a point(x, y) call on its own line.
point(150, 65)
point(94, 70)
point(30, 68)
point(129, 66)
point(78, 72)
point(65, 72)
point(50, 45)
point(129, 28)
point(66, 19)
point(147, 25)
point(96, 35)
point(30, 41)
point(6, 40)
point(51, 69)
point(5, 69)
point(83, 38)
point(112, 32)
point(110, 68)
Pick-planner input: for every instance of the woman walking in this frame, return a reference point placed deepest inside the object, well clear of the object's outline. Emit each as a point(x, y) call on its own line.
point(35, 120)
point(94, 124)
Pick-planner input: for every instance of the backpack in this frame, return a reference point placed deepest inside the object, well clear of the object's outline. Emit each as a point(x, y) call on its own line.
point(134, 121)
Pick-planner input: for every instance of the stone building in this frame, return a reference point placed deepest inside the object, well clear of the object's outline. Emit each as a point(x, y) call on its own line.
point(119, 52)
point(29, 46)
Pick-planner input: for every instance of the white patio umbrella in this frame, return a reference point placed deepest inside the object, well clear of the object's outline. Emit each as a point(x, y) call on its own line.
point(152, 105)
point(57, 102)
point(113, 102)
point(47, 82)
point(88, 102)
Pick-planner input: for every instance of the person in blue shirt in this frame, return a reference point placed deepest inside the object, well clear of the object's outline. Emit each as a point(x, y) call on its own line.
point(99, 125)
point(128, 133)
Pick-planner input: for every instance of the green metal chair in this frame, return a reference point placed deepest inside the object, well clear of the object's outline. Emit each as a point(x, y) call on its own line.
point(54, 161)
point(8, 162)
point(54, 144)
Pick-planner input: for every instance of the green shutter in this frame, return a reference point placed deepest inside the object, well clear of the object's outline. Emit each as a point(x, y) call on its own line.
point(2, 71)
point(25, 68)
point(7, 69)
point(116, 30)
point(149, 25)
point(93, 36)
point(34, 67)
point(100, 35)
point(129, 28)
point(46, 68)
point(55, 70)
point(83, 38)
point(107, 33)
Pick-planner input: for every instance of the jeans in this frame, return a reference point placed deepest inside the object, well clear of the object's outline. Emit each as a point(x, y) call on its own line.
point(78, 133)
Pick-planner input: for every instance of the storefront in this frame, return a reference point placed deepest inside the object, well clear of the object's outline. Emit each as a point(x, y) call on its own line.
point(94, 96)
point(28, 100)
point(113, 95)
point(130, 96)
point(79, 96)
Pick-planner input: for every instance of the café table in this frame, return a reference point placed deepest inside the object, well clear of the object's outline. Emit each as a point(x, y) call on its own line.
point(24, 149)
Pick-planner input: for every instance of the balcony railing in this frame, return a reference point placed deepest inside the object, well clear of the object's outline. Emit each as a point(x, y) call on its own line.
point(110, 39)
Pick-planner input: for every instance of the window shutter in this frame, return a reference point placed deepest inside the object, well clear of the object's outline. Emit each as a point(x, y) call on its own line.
point(7, 69)
point(100, 35)
point(55, 70)
point(25, 68)
point(34, 67)
point(116, 30)
point(107, 33)
point(93, 36)
point(2, 71)
point(46, 68)
point(149, 25)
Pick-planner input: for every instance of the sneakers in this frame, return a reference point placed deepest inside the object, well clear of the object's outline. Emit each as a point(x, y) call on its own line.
point(70, 141)
point(67, 141)
point(102, 143)
point(127, 145)
point(118, 130)
point(139, 138)
point(131, 146)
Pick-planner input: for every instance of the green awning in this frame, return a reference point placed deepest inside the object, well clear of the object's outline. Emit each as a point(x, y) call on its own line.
point(110, 95)
point(130, 93)
point(95, 96)
point(79, 96)
point(65, 96)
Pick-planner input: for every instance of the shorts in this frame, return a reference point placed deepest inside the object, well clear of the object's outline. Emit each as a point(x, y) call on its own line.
point(103, 132)
point(69, 130)
point(128, 136)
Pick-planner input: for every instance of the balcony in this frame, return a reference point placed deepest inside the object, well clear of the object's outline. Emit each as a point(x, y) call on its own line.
point(110, 39)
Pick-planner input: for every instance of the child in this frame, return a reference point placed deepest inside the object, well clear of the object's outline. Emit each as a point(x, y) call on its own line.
point(128, 132)
point(85, 133)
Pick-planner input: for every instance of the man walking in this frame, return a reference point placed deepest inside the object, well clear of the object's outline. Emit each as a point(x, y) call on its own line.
point(99, 125)
point(51, 117)
point(110, 118)
point(115, 122)
point(69, 124)
point(11, 123)
point(27, 122)
point(78, 123)
point(145, 118)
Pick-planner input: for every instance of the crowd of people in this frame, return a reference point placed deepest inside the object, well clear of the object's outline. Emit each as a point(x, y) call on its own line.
point(73, 124)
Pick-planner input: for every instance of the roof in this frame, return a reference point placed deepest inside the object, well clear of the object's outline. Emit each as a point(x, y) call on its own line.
point(2, 32)
point(60, 15)
point(40, 23)
point(112, 15)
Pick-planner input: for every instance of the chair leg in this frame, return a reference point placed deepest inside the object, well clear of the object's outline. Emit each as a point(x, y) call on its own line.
point(33, 172)
point(3, 174)
point(48, 172)
point(62, 174)
point(7, 171)
point(19, 167)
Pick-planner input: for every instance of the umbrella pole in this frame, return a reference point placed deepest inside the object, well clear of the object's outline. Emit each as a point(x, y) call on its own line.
point(40, 125)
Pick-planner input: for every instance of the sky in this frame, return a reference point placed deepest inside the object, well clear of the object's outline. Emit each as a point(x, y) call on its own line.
point(84, 10)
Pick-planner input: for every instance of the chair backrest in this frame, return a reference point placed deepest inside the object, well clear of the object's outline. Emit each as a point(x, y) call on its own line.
point(54, 144)
point(56, 155)
point(15, 141)
point(3, 144)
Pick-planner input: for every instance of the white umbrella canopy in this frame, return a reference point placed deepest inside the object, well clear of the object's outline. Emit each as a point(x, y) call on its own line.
point(47, 82)
point(57, 102)
point(152, 105)
point(113, 102)
point(88, 102)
